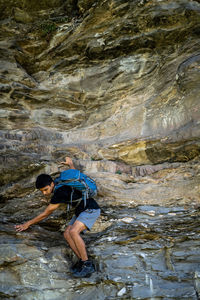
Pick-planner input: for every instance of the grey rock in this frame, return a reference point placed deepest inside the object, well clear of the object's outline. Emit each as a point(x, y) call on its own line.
point(114, 85)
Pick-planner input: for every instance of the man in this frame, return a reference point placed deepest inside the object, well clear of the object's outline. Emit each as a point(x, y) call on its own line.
point(84, 218)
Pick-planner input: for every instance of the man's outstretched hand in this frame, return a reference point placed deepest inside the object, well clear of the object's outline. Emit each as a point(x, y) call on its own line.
point(22, 227)
point(68, 161)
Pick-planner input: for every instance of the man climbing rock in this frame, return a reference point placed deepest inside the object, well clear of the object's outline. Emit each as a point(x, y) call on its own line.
point(86, 213)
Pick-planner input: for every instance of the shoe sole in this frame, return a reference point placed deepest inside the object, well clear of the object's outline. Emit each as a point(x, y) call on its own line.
point(86, 276)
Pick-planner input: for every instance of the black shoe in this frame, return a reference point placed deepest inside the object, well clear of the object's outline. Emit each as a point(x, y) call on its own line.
point(86, 270)
point(77, 266)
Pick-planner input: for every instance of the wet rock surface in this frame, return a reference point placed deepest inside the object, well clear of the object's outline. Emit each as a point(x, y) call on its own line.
point(115, 85)
point(143, 252)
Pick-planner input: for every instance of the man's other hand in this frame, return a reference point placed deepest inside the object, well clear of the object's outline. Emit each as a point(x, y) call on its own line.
point(22, 227)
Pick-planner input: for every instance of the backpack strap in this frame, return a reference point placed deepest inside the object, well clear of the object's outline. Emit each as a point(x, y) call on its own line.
point(69, 205)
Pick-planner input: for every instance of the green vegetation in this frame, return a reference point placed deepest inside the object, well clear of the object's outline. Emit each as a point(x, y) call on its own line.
point(118, 172)
point(48, 27)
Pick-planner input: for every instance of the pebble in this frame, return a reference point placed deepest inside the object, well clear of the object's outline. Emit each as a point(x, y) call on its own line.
point(127, 220)
point(171, 214)
point(121, 292)
point(150, 213)
point(116, 279)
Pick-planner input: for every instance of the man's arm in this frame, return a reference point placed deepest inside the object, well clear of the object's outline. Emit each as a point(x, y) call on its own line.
point(50, 208)
point(68, 161)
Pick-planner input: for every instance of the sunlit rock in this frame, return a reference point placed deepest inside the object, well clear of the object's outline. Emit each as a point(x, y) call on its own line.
point(115, 86)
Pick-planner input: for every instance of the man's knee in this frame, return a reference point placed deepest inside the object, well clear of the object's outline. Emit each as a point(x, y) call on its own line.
point(73, 232)
point(77, 228)
point(67, 232)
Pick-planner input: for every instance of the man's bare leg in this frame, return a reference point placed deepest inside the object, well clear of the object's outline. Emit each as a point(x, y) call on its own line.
point(85, 267)
point(68, 238)
point(72, 235)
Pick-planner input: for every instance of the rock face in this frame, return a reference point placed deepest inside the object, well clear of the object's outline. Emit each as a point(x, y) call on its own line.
point(115, 85)
point(111, 81)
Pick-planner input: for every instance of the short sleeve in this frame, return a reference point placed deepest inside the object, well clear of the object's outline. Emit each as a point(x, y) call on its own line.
point(61, 196)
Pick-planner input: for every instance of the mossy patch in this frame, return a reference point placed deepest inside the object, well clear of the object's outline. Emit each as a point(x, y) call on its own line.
point(48, 27)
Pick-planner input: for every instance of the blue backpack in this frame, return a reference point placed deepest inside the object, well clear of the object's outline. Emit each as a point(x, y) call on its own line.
point(79, 181)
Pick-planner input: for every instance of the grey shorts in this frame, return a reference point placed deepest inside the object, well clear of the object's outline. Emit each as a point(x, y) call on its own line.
point(88, 217)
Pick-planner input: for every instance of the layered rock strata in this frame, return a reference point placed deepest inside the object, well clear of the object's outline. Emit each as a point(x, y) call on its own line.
point(115, 85)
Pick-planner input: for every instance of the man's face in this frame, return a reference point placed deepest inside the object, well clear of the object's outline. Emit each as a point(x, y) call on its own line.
point(47, 190)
